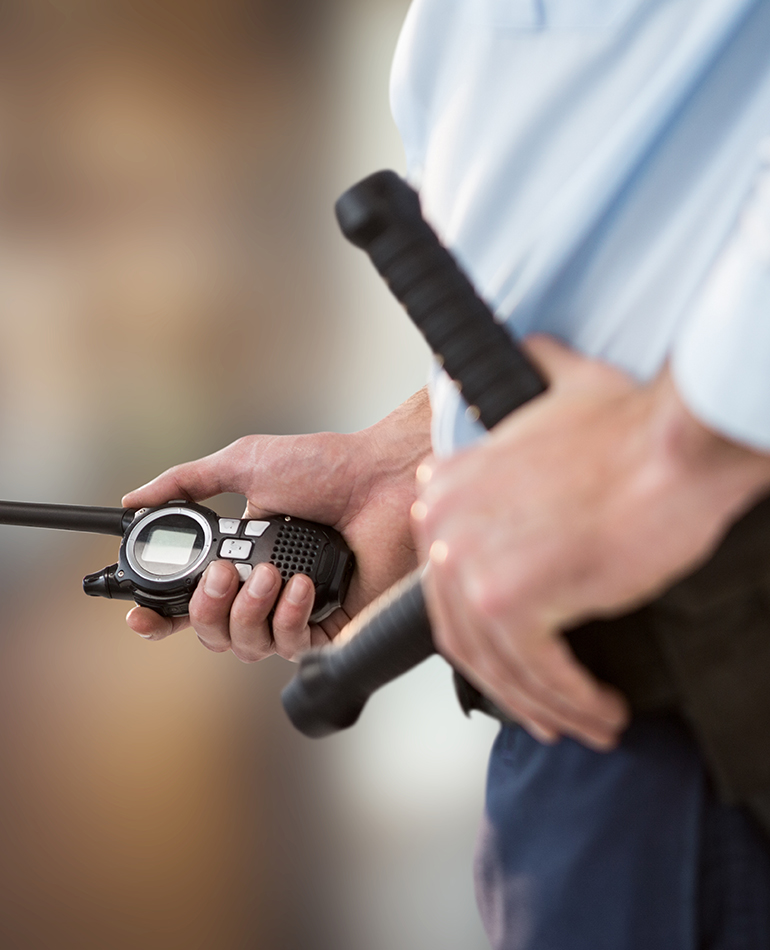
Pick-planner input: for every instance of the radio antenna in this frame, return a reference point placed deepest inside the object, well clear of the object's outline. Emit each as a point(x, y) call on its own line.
point(67, 517)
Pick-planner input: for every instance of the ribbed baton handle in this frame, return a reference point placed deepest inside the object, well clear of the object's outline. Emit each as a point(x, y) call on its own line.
point(382, 216)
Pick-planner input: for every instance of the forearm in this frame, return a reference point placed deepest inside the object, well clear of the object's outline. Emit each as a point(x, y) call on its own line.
point(732, 476)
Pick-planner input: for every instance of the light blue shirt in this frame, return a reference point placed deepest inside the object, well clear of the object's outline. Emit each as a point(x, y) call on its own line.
point(601, 168)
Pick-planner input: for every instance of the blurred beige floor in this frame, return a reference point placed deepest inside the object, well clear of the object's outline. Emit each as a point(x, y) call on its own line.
point(171, 278)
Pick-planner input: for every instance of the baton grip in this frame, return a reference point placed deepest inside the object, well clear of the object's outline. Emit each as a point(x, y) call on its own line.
point(382, 216)
point(391, 636)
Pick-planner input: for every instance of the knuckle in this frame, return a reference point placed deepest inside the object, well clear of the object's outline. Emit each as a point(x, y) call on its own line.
point(208, 613)
point(147, 624)
point(177, 476)
point(285, 631)
point(241, 445)
point(288, 620)
point(247, 654)
point(291, 640)
point(288, 651)
point(484, 595)
point(248, 615)
point(495, 595)
point(215, 646)
point(282, 626)
point(433, 513)
point(160, 633)
point(251, 639)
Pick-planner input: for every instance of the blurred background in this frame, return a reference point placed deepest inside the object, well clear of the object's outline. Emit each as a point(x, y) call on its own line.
point(171, 278)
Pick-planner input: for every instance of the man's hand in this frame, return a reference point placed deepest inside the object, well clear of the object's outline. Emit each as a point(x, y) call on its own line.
point(361, 484)
point(584, 503)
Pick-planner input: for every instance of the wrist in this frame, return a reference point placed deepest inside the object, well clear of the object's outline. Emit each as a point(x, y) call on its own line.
point(731, 475)
point(401, 440)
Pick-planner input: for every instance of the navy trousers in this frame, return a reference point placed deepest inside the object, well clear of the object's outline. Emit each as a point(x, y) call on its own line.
point(628, 850)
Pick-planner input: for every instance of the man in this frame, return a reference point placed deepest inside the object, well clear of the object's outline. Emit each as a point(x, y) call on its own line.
point(600, 170)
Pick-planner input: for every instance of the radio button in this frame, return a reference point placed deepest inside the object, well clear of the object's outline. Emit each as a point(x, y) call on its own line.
point(255, 529)
point(243, 570)
point(237, 550)
point(229, 525)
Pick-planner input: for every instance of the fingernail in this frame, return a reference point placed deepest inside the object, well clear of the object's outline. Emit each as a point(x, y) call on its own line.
point(297, 591)
point(144, 636)
point(261, 582)
point(217, 579)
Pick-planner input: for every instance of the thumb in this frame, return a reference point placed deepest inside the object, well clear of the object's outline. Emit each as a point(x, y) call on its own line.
point(193, 481)
point(567, 369)
point(553, 358)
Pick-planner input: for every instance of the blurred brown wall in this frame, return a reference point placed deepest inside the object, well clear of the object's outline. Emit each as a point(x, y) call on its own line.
point(154, 163)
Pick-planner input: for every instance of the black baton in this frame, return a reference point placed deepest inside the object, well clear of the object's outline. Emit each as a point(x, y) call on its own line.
point(382, 215)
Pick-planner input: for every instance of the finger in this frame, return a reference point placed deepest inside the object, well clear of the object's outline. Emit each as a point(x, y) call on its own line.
point(460, 639)
point(552, 357)
point(511, 691)
point(329, 627)
point(223, 471)
point(150, 625)
point(516, 704)
point(319, 637)
point(549, 672)
point(556, 673)
point(210, 605)
point(250, 635)
point(253, 510)
point(503, 686)
point(291, 632)
point(504, 674)
point(562, 689)
point(508, 684)
point(562, 366)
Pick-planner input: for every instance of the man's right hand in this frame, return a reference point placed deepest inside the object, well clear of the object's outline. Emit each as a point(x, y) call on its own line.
point(362, 484)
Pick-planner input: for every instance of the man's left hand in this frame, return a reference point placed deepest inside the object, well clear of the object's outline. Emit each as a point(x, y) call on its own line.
point(584, 503)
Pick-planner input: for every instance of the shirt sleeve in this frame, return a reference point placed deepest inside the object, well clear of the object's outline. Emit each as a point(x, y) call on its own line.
point(721, 358)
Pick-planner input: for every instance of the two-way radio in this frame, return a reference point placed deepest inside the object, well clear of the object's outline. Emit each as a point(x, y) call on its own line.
point(166, 549)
